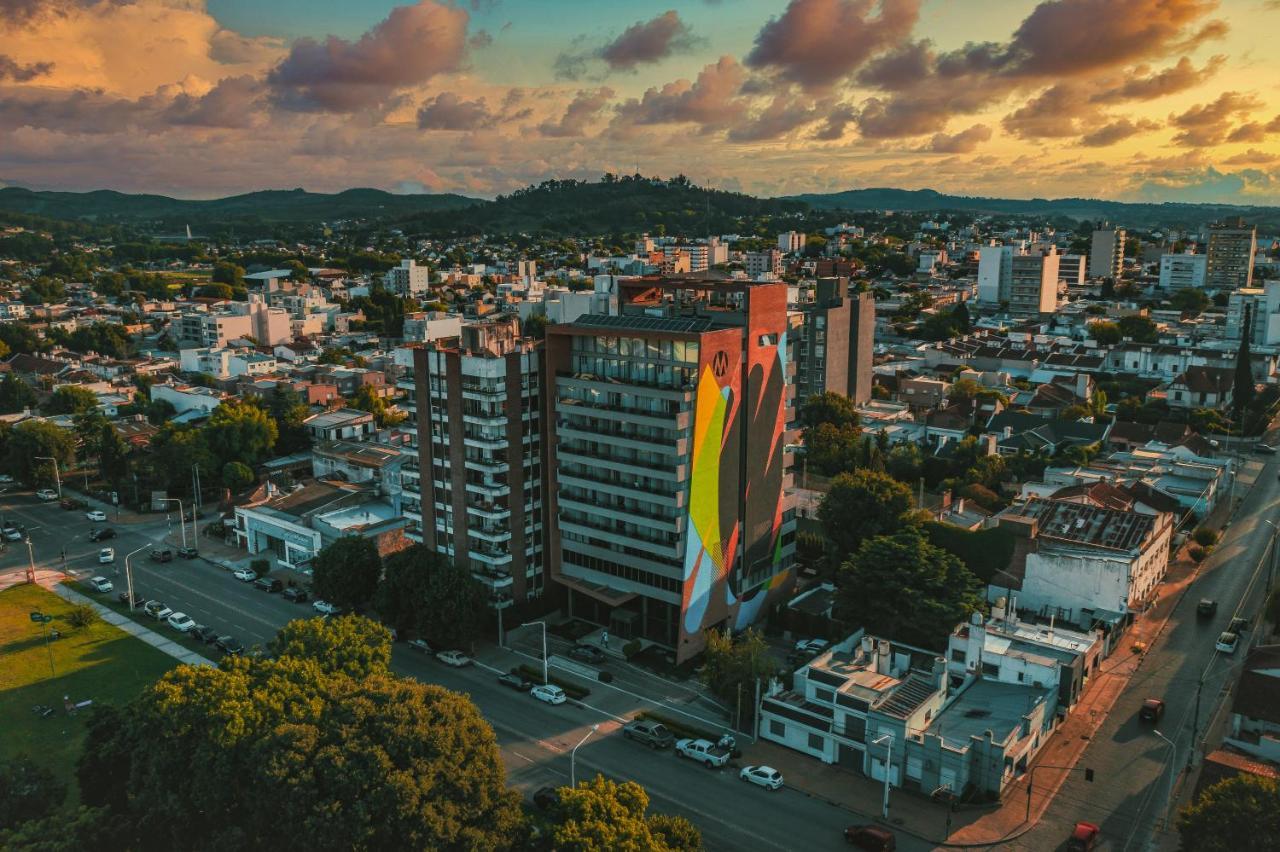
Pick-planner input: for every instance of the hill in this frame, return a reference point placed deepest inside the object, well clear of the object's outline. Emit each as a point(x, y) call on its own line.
point(1124, 213)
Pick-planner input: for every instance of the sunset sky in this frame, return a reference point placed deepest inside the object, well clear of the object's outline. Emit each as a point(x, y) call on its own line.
point(1129, 99)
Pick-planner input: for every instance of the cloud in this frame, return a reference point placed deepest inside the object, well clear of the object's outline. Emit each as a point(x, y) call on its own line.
point(446, 111)
point(11, 70)
point(816, 43)
point(837, 120)
point(648, 41)
point(581, 111)
point(709, 101)
point(412, 45)
point(233, 102)
point(1208, 124)
point(964, 142)
point(231, 48)
point(1117, 131)
point(783, 115)
point(1052, 114)
point(1253, 157)
point(1170, 81)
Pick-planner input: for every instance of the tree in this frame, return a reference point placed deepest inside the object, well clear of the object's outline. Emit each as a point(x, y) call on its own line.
point(1139, 328)
point(602, 815)
point(535, 326)
point(240, 431)
point(225, 272)
point(904, 462)
point(831, 432)
point(174, 450)
point(236, 475)
point(368, 399)
point(347, 572)
point(404, 593)
point(27, 791)
point(457, 606)
point(350, 645)
point(734, 666)
point(15, 394)
point(829, 407)
point(861, 505)
point(1237, 814)
point(964, 389)
point(1105, 333)
point(71, 399)
point(1189, 300)
point(31, 443)
point(333, 762)
point(113, 455)
point(81, 830)
point(216, 290)
point(1243, 389)
point(921, 592)
point(961, 317)
point(289, 410)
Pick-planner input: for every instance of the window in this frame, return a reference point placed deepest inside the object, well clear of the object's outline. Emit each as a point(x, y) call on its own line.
point(991, 669)
point(778, 729)
point(824, 695)
point(958, 655)
point(816, 742)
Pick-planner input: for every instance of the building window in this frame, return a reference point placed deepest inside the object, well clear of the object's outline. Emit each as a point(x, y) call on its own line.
point(816, 742)
point(991, 669)
point(958, 655)
point(778, 729)
point(824, 695)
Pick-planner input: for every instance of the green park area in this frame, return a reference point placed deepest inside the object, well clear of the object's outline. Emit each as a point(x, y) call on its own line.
point(96, 662)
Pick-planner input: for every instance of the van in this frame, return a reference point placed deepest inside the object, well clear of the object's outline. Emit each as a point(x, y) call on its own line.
point(1152, 710)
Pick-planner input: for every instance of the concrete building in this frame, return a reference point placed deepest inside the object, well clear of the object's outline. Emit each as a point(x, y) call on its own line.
point(1255, 710)
point(250, 363)
point(763, 265)
point(1233, 245)
point(252, 319)
point(1025, 284)
point(790, 242)
point(1262, 307)
point(203, 359)
point(474, 492)
point(663, 415)
point(1073, 269)
point(834, 346)
point(699, 257)
point(340, 424)
point(185, 398)
point(408, 279)
point(1106, 253)
point(1180, 271)
point(426, 326)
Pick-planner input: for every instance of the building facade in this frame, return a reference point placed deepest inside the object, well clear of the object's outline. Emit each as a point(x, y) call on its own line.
point(408, 279)
point(1180, 271)
point(1233, 246)
point(763, 265)
point(1026, 284)
point(1106, 253)
point(834, 349)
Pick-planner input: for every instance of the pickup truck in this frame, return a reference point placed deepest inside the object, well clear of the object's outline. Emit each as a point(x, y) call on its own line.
point(703, 751)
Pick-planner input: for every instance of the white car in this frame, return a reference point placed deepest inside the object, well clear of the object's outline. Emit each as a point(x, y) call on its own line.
point(245, 575)
point(106, 556)
point(46, 495)
point(765, 776)
point(102, 584)
point(181, 622)
point(549, 693)
point(1227, 643)
point(96, 515)
point(420, 645)
point(12, 533)
point(325, 608)
point(157, 610)
point(457, 659)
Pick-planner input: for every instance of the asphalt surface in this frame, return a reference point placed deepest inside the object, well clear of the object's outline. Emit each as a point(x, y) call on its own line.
point(1131, 764)
point(535, 738)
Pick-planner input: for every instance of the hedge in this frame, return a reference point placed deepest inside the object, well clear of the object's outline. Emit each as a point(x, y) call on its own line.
point(570, 689)
point(679, 729)
point(984, 552)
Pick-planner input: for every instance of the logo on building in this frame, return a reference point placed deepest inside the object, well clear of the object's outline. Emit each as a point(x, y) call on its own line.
point(720, 364)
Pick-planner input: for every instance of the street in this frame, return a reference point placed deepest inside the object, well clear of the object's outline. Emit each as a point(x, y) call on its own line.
point(535, 738)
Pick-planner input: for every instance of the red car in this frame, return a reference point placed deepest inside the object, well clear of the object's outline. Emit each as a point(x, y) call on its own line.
point(1084, 838)
point(870, 837)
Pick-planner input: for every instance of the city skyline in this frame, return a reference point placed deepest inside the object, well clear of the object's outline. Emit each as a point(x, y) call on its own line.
point(1133, 100)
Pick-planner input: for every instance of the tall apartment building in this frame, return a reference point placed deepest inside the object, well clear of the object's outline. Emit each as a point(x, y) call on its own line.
point(1027, 284)
point(254, 318)
point(699, 257)
point(1233, 245)
point(1106, 253)
point(1259, 309)
point(669, 508)
point(1073, 269)
point(1180, 271)
point(834, 349)
point(764, 265)
point(790, 242)
point(717, 251)
point(474, 493)
point(408, 279)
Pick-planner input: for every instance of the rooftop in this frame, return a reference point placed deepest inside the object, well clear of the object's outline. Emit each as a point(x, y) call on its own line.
point(362, 455)
point(987, 706)
point(644, 323)
point(1080, 523)
point(337, 417)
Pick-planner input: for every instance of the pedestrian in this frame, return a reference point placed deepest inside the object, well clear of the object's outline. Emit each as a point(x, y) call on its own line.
point(604, 638)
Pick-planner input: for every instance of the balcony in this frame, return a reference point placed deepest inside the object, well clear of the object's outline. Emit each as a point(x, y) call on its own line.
point(491, 556)
point(488, 509)
point(671, 473)
point(490, 532)
point(674, 499)
point(490, 466)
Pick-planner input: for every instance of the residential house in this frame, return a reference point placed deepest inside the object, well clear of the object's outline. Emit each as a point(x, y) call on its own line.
point(1255, 710)
point(341, 424)
point(1199, 387)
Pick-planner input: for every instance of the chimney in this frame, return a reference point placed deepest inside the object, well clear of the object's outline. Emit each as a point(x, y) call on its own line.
point(946, 500)
point(998, 609)
point(884, 657)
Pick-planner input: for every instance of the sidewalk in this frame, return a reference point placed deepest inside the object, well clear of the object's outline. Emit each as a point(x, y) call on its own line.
point(133, 628)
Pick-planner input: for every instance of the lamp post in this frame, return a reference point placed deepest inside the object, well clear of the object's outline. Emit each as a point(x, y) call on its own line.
point(888, 769)
point(543, 625)
point(128, 573)
point(1168, 794)
point(573, 757)
point(1272, 569)
point(57, 478)
point(182, 518)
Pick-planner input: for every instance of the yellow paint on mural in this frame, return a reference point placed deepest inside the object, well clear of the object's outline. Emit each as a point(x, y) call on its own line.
point(704, 489)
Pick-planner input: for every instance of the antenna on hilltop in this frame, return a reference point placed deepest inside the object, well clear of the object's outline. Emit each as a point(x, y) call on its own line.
point(188, 233)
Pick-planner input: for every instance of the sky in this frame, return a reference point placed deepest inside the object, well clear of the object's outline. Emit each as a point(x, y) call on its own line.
point(1135, 100)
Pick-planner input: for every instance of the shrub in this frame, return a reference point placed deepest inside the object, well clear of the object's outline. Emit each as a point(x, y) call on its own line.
point(1197, 553)
point(680, 730)
point(605, 677)
point(632, 648)
point(261, 567)
point(82, 616)
point(1205, 536)
point(570, 689)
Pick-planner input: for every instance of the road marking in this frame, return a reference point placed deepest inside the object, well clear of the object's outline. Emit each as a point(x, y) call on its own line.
point(523, 757)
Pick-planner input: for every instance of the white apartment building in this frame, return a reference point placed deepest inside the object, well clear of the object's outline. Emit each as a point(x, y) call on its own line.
point(186, 398)
point(1106, 253)
point(1180, 271)
point(699, 256)
point(408, 279)
point(250, 363)
point(425, 326)
point(203, 359)
point(1264, 314)
point(254, 318)
point(764, 265)
point(1073, 269)
point(790, 242)
point(12, 311)
point(1026, 283)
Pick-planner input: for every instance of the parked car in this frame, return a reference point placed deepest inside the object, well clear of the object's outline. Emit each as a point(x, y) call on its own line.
point(96, 515)
point(162, 555)
point(203, 633)
point(457, 659)
point(871, 837)
point(47, 495)
point(1084, 838)
point(297, 594)
point(102, 534)
point(653, 734)
point(123, 597)
point(12, 533)
point(1206, 608)
point(106, 556)
point(102, 584)
point(546, 798)
point(268, 584)
point(181, 622)
point(6, 479)
point(228, 645)
point(516, 681)
point(812, 646)
point(1265, 449)
point(703, 751)
point(157, 610)
point(549, 693)
point(1238, 626)
point(188, 552)
point(245, 575)
point(587, 654)
point(420, 645)
point(762, 776)
point(326, 608)
point(1227, 643)
point(1152, 710)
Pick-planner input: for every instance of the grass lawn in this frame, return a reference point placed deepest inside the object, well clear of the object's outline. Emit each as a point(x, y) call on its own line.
point(110, 602)
point(98, 663)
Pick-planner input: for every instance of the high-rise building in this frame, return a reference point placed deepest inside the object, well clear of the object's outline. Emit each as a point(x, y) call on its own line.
point(764, 265)
point(408, 279)
point(834, 349)
point(1026, 284)
point(475, 492)
point(1106, 254)
point(1258, 308)
point(697, 252)
point(995, 268)
point(790, 242)
point(665, 415)
point(1180, 271)
point(1073, 269)
point(1233, 245)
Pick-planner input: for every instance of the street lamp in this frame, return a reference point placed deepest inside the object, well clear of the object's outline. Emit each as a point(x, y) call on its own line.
point(1173, 754)
point(128, 573)
point(543, 625)
point(573, 757)
point(1275, 530)
point(182, 518)
point(57, 478)
point(888, 768)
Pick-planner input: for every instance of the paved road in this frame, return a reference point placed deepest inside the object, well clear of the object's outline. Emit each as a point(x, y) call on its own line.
point(535, 738)
point(1131, 764)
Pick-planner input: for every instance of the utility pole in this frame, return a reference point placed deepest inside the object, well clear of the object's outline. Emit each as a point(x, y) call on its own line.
point(31, 561)
point(57, 477)
point(1195, 725)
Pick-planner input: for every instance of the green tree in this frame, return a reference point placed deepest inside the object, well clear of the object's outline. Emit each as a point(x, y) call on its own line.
point(27, 791)
point(602, 815)
point(1105, 333)
point(1243, 388)
point(830, 407)
point(240, 431)
point(113, 455)
point(404, 595)
point(71, 399)
point(216, 290)
point(81, 830)
point(1139, 328)
point(225, 272)
point(236, 475)
point(368, 399)
point(29, 442)
point(174, 450)
point(457, 606)
point(921, 591)
point(535, 326)
point(1190, 301)
point(861, 505)
point(904, 463)
point(289, 410)
point(44, 291)
point(734, 665)
point(351, 644)
point(20, 337)
point(964, 389)
point(1237, 814)
point(831, 433)
point(15, 394)
point(347, 572)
